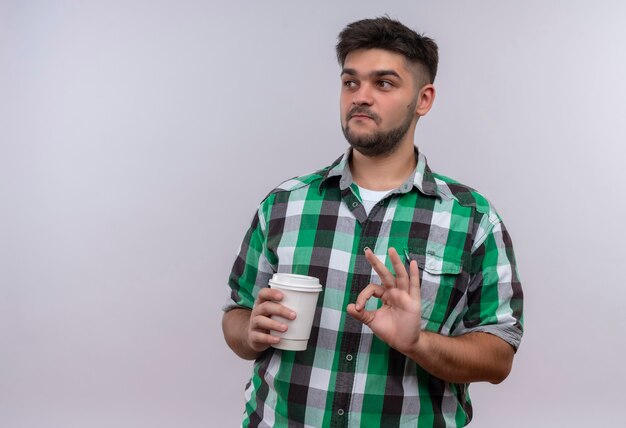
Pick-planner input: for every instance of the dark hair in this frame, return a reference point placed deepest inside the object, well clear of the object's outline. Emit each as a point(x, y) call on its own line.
point(389, 34)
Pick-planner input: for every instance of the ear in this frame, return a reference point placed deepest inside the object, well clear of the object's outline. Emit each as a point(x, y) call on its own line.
point(425, 99)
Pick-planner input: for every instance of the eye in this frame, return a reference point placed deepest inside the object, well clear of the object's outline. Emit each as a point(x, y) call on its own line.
point(385, 84)
point(350, 84)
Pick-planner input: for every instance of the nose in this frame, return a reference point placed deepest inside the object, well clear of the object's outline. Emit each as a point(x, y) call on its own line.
point(363, 96)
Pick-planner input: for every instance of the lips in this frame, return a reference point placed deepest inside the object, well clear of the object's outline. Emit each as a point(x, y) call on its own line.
point(360, 112)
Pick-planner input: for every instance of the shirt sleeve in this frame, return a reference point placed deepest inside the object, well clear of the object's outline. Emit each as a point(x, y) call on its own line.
point(494, 296)
point(251, 270)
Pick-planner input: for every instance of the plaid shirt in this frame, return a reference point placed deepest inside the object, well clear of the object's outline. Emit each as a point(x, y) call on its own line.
point(316, 225)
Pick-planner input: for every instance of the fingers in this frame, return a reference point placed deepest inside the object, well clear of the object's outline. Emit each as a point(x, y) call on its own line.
point(356, 309)
point(408, 282)
point(263, 318)
point(366, 317)
point(369, 291)
point(402, 278)
point(263, 321)
point(259, 341)
point(267, 305)
point(414, 280)
point(379, 267)
point(269, 294)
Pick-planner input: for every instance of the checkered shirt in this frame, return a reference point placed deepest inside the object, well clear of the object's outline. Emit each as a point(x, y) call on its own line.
point(316, 225)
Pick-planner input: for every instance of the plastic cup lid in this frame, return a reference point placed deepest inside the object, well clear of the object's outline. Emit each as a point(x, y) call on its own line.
point(296, 282)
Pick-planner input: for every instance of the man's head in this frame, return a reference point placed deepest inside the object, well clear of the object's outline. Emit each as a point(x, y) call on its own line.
point(387, 75)
point(388, 34)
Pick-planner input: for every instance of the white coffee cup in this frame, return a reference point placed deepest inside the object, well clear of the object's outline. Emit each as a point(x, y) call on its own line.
point(300, 293)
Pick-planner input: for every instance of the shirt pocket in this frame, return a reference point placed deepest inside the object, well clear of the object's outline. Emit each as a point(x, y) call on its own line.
point(442, 284)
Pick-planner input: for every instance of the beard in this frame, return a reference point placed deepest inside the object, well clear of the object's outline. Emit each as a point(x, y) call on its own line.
point(379, 143)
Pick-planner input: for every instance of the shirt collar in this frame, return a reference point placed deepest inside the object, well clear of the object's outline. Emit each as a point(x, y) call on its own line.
point(421, 178)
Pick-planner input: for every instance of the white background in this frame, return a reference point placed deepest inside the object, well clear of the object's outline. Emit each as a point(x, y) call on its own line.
point(137, 138)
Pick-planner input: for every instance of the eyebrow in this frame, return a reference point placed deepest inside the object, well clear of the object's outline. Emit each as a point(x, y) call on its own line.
point(375, 73)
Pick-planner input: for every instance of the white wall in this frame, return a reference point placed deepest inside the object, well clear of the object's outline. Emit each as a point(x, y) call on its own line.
point(137, 137)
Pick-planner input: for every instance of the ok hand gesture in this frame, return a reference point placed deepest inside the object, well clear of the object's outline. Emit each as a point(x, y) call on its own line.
point(398, 321)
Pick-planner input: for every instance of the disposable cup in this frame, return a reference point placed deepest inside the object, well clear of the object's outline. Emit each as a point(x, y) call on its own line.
point(300, 293)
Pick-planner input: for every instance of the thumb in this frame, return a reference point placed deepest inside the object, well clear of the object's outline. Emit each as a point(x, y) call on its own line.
point(363, 316)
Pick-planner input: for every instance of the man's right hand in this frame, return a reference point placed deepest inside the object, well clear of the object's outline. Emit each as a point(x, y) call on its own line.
point(247, 332)
point(261, 323)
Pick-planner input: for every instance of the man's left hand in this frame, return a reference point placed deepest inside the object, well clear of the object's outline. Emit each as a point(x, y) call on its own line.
point(398, 321)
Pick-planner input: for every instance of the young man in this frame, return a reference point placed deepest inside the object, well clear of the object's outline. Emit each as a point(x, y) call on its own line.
point(387, 349)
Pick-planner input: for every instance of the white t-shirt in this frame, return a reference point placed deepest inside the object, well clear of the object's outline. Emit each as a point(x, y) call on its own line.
point(371, 197)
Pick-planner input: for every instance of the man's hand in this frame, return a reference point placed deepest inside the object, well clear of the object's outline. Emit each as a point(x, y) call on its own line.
point(261, 323)
point(398, 321)
point(247, 332)
point(462, 359)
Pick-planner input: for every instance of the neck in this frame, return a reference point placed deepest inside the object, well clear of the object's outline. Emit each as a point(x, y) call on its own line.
point(383, 173)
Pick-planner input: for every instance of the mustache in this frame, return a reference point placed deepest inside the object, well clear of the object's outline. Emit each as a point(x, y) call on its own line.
point(362, 111)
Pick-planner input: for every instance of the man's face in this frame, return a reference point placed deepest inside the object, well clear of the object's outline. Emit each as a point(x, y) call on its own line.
point(378, 101)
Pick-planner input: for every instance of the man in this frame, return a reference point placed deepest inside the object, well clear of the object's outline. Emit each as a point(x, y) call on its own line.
point(386, 349)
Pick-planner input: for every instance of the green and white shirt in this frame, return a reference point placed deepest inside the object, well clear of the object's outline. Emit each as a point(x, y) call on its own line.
point(316, 225)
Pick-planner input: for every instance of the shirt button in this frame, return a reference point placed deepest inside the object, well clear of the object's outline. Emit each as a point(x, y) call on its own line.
point(340, 412)
point(349, 357)
point(355, 204)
